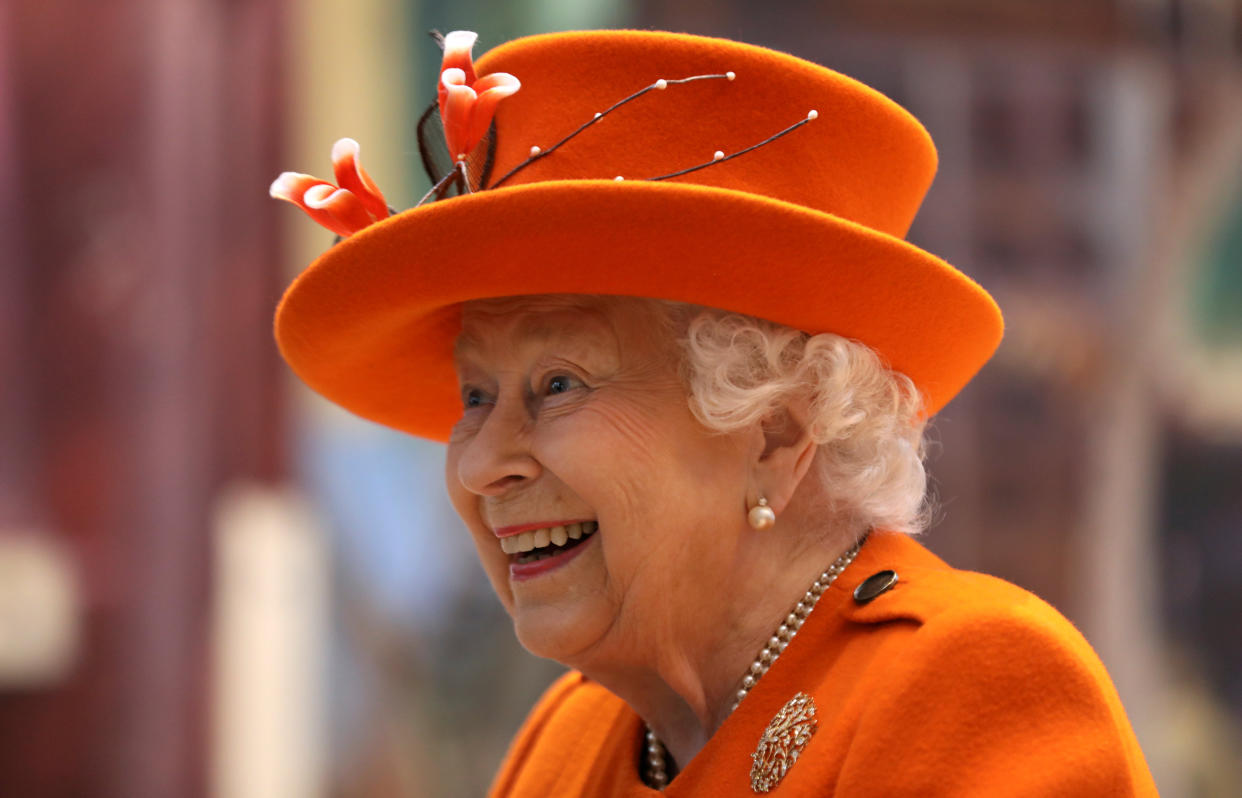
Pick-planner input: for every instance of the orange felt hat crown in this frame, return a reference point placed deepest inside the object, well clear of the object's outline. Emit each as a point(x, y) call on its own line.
point(806, 230)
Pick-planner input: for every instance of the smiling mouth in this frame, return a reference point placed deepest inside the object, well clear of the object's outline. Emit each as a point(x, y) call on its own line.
point(540, 544)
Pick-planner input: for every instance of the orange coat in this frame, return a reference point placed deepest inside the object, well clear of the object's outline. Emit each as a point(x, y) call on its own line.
point(951, 683)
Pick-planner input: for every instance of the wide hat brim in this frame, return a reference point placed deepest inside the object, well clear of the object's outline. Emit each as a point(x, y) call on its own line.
point(371, 324)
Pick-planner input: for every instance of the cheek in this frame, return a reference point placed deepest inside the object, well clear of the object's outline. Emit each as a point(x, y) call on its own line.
point(637, 427)
point(608, 453)
point(649, 470)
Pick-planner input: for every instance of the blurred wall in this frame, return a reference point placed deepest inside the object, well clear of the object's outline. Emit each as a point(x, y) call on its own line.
point(138, 279)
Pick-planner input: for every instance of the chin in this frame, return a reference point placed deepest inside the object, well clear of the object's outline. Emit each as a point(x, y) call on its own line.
point(556, 632)
point(543, 642)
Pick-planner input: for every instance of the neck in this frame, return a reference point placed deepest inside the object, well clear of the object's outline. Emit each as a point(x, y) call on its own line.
point(681, 673)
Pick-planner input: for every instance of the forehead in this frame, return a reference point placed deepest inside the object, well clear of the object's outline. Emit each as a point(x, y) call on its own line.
point(588, 320)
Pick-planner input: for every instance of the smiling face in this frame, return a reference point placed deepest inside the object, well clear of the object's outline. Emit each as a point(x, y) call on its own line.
point(574, 414)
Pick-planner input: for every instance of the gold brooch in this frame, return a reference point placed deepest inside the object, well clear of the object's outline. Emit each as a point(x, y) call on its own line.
point(782, 742)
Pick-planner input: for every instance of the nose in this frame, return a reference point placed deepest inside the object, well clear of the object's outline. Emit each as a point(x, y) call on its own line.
point(498, 458)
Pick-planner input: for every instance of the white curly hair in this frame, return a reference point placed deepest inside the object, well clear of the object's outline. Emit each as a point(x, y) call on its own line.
point(866, 418)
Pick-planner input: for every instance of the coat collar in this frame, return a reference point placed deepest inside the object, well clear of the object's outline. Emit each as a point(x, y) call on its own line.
point(910, 598)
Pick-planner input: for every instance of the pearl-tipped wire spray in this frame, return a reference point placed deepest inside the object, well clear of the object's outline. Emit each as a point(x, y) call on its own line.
point(659, 85)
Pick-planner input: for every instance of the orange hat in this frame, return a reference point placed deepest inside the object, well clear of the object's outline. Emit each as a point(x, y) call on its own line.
point(806, 230)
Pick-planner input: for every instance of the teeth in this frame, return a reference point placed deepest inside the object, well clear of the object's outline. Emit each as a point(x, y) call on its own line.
point(542, 538)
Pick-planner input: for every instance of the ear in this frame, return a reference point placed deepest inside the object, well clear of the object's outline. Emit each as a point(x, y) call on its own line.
point(783, 458)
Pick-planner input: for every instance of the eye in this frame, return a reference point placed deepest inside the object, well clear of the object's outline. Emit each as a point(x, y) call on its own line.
point(562, 383)
point(472, 397)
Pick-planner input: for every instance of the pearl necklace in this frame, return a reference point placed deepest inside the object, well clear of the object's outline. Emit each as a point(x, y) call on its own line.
point(657, 770)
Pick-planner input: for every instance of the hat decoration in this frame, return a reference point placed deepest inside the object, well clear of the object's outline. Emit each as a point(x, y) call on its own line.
point(345, 208)
point(466, 104)
point(660, 85)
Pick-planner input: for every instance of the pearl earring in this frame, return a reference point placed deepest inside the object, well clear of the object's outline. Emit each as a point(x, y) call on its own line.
point(761, 516)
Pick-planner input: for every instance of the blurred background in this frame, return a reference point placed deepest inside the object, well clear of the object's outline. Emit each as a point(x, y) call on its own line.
point(214, 584)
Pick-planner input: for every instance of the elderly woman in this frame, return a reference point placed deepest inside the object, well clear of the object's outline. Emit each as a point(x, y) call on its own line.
point(660, 307)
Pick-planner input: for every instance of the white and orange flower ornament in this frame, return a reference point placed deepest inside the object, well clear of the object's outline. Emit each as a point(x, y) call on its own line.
point(467, 105)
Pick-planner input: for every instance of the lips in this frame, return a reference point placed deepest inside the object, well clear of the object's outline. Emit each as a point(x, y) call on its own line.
point(528, 565)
